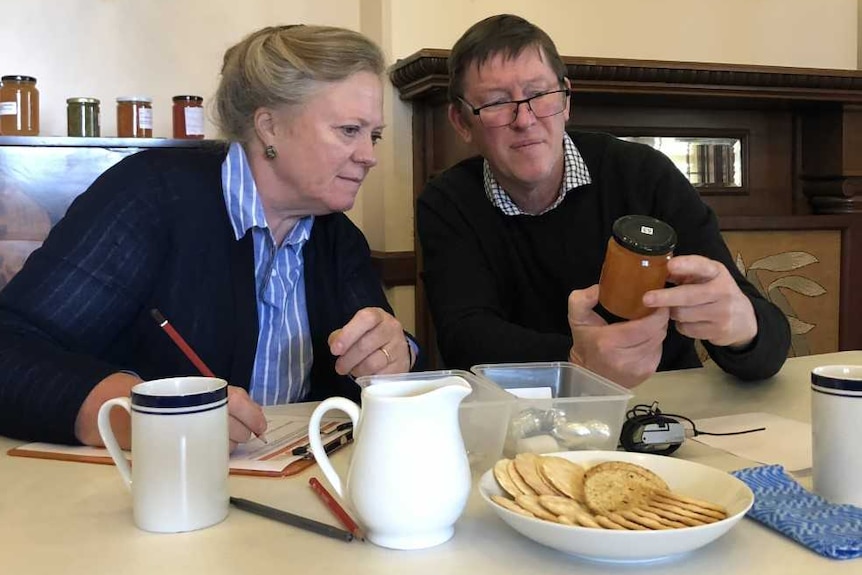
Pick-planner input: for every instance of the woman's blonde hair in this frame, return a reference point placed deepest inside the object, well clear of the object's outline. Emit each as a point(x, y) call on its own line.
point(284, 65)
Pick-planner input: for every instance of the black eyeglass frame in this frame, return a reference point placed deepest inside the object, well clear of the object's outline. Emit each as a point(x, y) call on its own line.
point(478, 111)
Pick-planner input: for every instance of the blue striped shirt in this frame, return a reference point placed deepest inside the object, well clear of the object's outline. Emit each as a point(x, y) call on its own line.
point(282, 363)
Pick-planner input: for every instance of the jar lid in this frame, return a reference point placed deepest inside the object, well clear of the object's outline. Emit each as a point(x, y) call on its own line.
point(188, 99)
point(644, 235)
point(82, 101)
point(18, 78)
point(144, 99)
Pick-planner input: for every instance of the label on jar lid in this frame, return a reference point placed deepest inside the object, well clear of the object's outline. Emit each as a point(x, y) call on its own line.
point(8, 108)
point(644, 235)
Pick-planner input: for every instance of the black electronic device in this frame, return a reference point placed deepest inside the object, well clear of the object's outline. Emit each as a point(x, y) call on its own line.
point(648, 430)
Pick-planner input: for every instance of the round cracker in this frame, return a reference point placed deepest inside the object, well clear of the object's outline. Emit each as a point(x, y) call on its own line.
point(696, 505)
point(630, 525)
point(648, 515)
point(518, 480)
point(647, 522)
point(510, 505)
point(564, 475)
point(616, 485)
point(527, 465)
point(667, 514)
point(531, 504)
point(501, 474)
point(608, 524)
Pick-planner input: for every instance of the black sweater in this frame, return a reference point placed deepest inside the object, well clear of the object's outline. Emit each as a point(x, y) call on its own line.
point(498, 285)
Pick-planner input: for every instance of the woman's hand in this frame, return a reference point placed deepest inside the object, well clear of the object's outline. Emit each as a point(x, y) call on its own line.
point(372, 342)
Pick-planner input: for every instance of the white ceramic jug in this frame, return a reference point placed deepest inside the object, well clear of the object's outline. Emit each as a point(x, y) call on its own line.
point(409, 477)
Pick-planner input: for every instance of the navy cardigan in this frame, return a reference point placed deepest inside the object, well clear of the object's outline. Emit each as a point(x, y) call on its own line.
point(153, 232)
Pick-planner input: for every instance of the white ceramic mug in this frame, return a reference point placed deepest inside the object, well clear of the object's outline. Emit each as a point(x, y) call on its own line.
point(180, 450)
point(836, 410)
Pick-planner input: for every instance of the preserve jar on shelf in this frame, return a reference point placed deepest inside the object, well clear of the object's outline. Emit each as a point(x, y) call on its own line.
point(635, 263)
point(19, 106)
point(188, 117)
point(134, 117)
point(82, 117)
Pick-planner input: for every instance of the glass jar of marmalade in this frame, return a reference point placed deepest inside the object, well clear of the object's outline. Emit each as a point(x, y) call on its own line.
point(635, 263)
point(134, 117)
point(188, 117)
point(19, 106)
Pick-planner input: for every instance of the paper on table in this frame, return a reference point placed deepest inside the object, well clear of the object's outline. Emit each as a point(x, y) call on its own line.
point(284, 433)
point(531, 392)
point(784, 442)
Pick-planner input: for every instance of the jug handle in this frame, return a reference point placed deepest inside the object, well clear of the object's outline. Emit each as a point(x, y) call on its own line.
point(317, 449)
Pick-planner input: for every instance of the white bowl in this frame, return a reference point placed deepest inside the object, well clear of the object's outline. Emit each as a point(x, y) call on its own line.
point(683, 477)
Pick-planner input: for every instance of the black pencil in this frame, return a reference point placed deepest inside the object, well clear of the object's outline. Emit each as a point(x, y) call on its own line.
point(291, 519)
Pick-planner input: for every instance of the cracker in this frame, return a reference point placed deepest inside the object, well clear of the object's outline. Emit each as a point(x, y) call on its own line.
point(510, 505)
point(648, 515)
point(608, 524)
point(620, 520)
point(565, 476)
point(501, 474)
point(645, 521)
point(531, 504)
point(518, 480)
point(616, 485)
point(527, 465)
point(692, 504)
point(565, 520)
point(561, 505)
point(667, 514)
point(683, 511)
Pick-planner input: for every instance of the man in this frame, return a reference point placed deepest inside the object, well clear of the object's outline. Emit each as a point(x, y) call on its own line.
point(513, 241)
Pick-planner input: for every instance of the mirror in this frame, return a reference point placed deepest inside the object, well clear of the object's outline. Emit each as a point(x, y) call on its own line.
point(707, 162)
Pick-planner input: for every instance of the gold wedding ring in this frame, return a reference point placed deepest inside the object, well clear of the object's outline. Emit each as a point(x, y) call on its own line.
point(386, 353)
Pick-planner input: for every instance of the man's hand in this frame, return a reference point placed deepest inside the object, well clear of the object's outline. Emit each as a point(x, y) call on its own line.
point(706, 303)
point(626, 353)
point(372, 342)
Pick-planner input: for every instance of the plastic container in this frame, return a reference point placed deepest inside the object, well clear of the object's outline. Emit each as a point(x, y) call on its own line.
point(635, 263)
point(188, 117)
point(569, 408)
point(134, 117)
point(19, 106)
point(484, 414)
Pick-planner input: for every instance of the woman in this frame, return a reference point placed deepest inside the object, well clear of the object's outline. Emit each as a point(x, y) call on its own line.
point(243, 248)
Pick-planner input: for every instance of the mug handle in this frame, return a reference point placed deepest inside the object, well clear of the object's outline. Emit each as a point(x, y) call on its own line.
point(107, 434)
point(317, 449)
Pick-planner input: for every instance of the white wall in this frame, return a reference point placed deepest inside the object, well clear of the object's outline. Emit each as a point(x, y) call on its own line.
point(158, 48)
point(804, 33)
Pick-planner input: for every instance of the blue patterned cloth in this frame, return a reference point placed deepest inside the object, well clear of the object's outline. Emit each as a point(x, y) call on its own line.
point(781, 503)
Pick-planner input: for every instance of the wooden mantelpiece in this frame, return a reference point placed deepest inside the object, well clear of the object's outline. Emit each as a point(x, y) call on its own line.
point(802, 130)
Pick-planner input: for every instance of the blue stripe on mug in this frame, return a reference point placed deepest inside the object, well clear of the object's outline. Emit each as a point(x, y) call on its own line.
point(176, 401)
point(179, 411)
point(838, 378)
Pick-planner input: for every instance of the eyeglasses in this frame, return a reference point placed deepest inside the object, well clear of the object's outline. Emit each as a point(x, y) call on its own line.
point(501, 114)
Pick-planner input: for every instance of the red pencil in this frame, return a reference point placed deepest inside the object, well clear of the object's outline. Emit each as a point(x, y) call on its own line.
point(336, 509)
point(187, 350)
point(181, 343)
